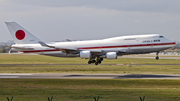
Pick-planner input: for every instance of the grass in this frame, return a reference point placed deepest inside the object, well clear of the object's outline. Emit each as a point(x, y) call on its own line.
point(85, 90)
point(40, 59)
point(91, 69)
point(101, 69)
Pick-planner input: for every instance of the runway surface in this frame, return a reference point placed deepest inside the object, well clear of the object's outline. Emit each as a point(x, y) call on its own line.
point(91, 76)
point(78, 64)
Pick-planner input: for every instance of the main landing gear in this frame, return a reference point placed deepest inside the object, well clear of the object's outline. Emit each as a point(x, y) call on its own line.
point(96, 62)
point(157, 57)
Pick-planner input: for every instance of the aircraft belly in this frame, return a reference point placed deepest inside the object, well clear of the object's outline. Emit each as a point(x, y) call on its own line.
point(58, 54)
point(142, 50)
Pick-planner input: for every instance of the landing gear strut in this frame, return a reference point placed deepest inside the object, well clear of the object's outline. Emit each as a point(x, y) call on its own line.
point(157, 57)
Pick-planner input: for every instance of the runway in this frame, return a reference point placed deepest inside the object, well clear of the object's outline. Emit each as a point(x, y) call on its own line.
point(91, 76)
point(78, 64)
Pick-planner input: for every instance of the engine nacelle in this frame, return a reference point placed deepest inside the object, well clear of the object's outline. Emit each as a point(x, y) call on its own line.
point(85, 54)
point(111, 55)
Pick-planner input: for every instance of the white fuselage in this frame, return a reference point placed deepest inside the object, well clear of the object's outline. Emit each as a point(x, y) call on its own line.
point(135, 44)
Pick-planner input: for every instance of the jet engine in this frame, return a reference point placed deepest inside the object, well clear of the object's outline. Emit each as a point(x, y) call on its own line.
point(85, 54)
point(111, 55)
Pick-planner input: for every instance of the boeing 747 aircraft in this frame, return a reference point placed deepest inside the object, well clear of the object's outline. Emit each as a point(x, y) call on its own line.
point(94, 50)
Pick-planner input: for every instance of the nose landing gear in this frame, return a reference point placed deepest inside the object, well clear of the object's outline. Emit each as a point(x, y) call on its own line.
point(157, 57)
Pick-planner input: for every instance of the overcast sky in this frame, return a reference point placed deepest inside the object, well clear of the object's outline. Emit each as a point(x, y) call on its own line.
point(56, 20)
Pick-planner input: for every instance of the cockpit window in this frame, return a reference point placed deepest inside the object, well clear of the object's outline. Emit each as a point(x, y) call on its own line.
point(161, 36)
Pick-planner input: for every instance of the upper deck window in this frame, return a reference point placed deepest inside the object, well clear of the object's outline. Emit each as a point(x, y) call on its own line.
point(161, 36)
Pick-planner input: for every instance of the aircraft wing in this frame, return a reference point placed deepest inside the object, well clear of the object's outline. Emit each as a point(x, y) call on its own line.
point(60, 48)
point(74, 49)
point(23, 48)
point(68, 49)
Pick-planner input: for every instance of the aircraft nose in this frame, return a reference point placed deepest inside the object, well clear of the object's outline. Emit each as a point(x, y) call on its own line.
point(173, 43)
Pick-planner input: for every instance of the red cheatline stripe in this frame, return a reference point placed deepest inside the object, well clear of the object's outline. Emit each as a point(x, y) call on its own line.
point(119, 46)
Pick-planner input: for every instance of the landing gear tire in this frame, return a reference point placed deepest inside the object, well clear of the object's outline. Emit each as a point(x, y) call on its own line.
point(96, 63)
point(157, 58)
point(98, 60)
point(89, 62)
point(93, 61)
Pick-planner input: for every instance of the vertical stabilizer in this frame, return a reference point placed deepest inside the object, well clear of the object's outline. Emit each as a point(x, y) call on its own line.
point(21, 35)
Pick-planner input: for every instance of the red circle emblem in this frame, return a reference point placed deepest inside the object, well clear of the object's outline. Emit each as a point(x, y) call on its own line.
point(20, 34)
